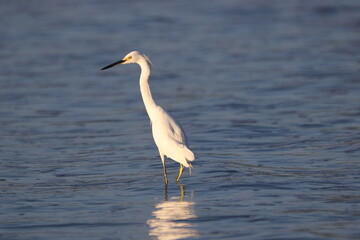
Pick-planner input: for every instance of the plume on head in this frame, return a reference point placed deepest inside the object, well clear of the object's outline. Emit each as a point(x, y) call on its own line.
point(147, 59)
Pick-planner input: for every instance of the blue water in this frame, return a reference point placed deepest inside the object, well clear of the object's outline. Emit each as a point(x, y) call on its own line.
point(267, 91)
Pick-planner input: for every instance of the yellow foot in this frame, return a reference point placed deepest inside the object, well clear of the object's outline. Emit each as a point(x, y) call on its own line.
point(181, 170)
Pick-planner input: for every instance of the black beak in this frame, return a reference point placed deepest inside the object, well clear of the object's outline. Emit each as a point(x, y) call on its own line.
point(113, 64)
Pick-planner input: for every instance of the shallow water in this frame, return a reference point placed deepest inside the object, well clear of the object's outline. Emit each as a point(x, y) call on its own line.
point(267, 91)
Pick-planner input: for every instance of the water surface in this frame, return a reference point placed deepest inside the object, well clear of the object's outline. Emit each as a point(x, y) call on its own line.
point(267, 91)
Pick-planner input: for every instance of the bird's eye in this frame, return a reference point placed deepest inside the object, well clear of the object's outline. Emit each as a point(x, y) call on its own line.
point(127, 58)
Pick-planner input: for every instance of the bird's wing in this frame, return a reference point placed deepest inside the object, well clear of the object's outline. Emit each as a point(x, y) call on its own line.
point(170, 138)
point(176, 151)
point(176, 130)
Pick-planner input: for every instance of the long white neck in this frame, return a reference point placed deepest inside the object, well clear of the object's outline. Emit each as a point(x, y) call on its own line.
point(149, 102)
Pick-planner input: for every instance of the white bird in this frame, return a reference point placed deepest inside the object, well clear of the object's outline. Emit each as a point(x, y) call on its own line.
point(168, 134)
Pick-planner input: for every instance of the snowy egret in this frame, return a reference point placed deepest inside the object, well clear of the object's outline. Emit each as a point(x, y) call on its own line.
point(168, 134)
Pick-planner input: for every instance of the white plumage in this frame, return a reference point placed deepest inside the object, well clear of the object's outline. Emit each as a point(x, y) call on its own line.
point(168, 134)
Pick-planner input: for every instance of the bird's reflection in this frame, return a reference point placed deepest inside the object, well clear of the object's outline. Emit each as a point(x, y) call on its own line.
point(169, 218)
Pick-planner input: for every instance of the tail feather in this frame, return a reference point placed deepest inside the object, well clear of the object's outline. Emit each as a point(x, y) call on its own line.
point(189, 155)
point(180, 153)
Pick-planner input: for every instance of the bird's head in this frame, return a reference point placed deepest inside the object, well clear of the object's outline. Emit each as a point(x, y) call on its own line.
point(132, 57)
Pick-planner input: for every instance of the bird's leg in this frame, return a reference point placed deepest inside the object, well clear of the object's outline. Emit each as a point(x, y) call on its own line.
point(166, 192)
point(181, 170)
point(182, 191)
point(165, 175)
point(164, 167)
